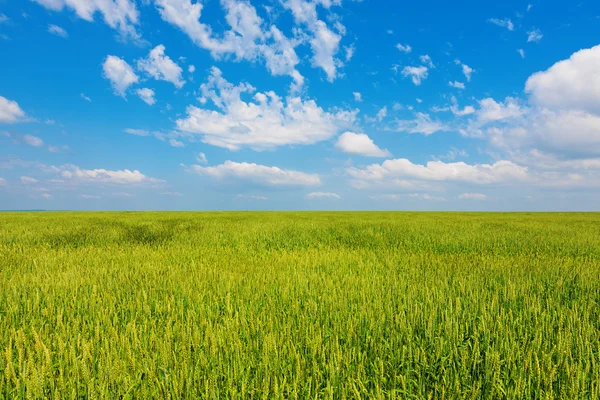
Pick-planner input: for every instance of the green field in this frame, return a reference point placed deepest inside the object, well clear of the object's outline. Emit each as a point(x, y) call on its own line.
point(300, 305)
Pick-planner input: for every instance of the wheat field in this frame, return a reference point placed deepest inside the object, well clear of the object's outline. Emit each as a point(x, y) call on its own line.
point(300, 305)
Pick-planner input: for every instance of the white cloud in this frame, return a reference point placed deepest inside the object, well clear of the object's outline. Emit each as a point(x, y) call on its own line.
point(417, 74)
point(573, 83)
point(121, 15)
point(349, 52)
point(46, 195)
point(421, 124)
point(467, 71)
point(381, 114)
point(57, 149)
point(357, 96)
point(259, 174)
point(425, 59)
point(26, 180)
point(521, 52)
point(501, 171)
point(120, 74)
point(89, 196)
point(58, 31)
point(137, 132)
point(3, 182)
point(74, 174)
point(83, 96)
point(534, 35)
point(123, 194)
point(33, 140)
point(160, 67)
point(456, 85)
point(3, 18)
point(10, 111)
point(321, 195)
point(359, 143)
point(201, 158)
point(176, 143)
point(491, 110)
point(147, 95)
point(325, 44)
point(472, 196)
point(404, 48)
point(246, 40)
point(505, 23)
point(191, 69)
point(265, 122)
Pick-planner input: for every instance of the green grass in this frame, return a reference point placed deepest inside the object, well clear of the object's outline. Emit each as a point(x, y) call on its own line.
point(300, 305)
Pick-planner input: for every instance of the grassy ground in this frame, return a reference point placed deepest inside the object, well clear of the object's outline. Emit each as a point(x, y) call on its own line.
point(300, 305)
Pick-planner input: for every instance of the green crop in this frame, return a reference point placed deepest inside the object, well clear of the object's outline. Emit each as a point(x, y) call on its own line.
point(300, 305)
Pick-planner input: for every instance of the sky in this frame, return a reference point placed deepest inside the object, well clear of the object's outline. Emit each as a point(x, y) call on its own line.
point(299, 105)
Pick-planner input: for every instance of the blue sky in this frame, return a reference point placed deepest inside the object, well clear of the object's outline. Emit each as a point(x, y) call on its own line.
point(297, 104)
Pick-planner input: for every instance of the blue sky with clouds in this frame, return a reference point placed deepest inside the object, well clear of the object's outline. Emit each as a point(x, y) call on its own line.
point(298, 104)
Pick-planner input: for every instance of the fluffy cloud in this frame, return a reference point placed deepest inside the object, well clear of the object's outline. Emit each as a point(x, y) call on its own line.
point(401, 168)
point(58, 31)
point(562, 117)
point(74, 174)
point(321, 195)
point(259, 174)
point(404, 48)
point(246, 40)
point(10, 111)
point(33, 140)
point(534, 35)
point(456, 85)
point(147, 95)
point(357, 96)
point(569, 84)
point(417, 74)
point(505, 23)
point(359, 143)
point(160, 67)
point(120, 74)
point(121, 15)
point(265, 122)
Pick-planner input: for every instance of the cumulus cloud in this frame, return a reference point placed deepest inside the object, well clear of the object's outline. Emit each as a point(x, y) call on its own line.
point(248, 38)
point(404, 48)
point(120, 74)
point(573, 83)
point(417, 74)
point(357, 96)
point(361, 144)
point(401, 168)
point(505, 23)
point(201, 158)
point(121, 15)
point(467, 71)
point(267, 121)
point(258, 174)
point(147, 95)
point(321, 195)
point(74, 174)
point(425, 59)
point(456, 85)
point(534, 35)
point(10, 111)
point(160, 67)
point(58, 31)
point(33, 140)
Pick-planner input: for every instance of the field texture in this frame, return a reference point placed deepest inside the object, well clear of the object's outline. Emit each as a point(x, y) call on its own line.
point(299, 305)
